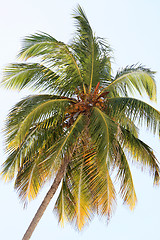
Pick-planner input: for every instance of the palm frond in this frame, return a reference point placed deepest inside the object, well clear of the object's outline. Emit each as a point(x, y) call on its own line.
point(20, 111)
point(136, 110)
point(108, 199)
point(10, 166)
point(102, 189)
point(36, 45)
point(102, 130)
point(42, 162)
point(30, 75)
point(29, 181)
point(133, 78)
point(37, 142)
point(58, 56)
point(92, 52)
point(39, 114)
point(83, 30)
point(85, 44)
point(52, 159)
point(82, 196)
point(36, 139)
point(77, 207)
point(65, 204)
point(124, 175)
point(141, 153)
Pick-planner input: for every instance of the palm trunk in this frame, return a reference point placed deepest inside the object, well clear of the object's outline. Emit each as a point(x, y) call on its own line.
point(46, 201)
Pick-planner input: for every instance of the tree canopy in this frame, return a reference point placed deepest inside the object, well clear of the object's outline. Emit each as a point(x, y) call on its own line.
point(81, 114)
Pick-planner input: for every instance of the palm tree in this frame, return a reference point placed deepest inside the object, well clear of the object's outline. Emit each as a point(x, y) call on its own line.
point(80, 128)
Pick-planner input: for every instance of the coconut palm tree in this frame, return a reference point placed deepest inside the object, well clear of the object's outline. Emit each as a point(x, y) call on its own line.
point(80, 128)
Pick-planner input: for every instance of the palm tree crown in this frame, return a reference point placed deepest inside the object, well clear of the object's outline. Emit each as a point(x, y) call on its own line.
point(81, 115)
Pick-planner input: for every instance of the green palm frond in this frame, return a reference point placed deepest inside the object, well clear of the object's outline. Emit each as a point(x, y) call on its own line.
point(36, 45)
point(133, 78)
point(124, 175)
point(99, 195)
point(30, 75)
point(82, 196)
point(102, 130)
point(85, 44)
point(22, 165)
point(65, 204)
point(29, 180)
point(58, 56)
point(92, 52)
point(42, 162)
point(77, 207)
point(108, 196)
point(39, 114)
point(39, 135)
point(84, 38)
point(10, 166)
point(128, 124)
point(20, 111)
point(52, 159)
point(38, 140)
point(141, 153)
point(136, 110)
point(102, 188)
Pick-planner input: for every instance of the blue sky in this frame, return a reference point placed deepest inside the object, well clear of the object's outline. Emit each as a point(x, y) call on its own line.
point(132, 29)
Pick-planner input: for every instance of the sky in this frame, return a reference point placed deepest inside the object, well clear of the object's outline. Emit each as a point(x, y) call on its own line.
point(132, 29)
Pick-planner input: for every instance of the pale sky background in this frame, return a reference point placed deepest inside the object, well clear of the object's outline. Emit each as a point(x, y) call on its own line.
point(133, 30)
